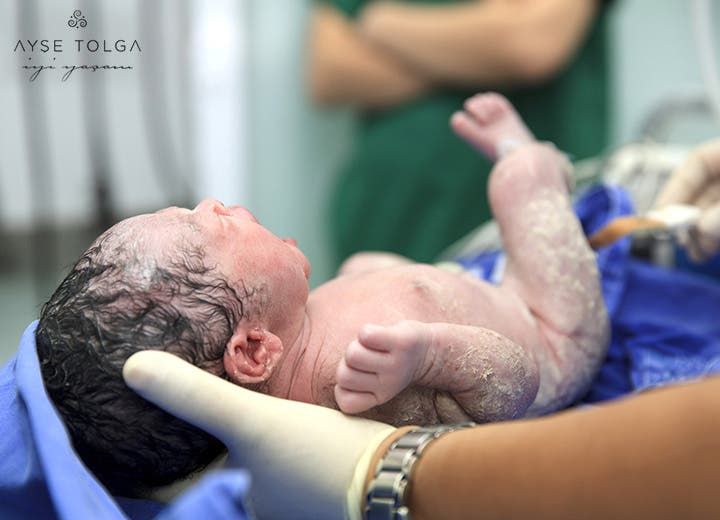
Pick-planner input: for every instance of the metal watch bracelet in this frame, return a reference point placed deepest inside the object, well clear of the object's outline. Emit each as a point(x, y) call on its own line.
point(386, 494)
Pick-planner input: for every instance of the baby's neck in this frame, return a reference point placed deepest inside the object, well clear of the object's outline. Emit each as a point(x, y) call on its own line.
point(288, 381)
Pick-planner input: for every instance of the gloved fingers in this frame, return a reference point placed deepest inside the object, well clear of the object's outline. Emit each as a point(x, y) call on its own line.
point(700, 170)
point(686, 183)
point(709, 154)
point(211, 403)
point(703, 239)
point(306, 461)
point(708, 232)
point(214, 405)
point(710, 196)
point(190, 393)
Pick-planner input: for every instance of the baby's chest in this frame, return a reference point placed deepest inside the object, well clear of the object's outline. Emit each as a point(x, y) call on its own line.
point(420, 292)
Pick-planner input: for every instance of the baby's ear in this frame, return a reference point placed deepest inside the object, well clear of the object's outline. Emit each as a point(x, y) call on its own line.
point(251, 355)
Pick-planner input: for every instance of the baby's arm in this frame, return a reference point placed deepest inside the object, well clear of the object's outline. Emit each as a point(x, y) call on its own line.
point(559, 324)
point(549, 263)
point(490, 377)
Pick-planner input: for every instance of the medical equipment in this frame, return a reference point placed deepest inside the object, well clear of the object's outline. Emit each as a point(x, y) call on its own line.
point(674, 218)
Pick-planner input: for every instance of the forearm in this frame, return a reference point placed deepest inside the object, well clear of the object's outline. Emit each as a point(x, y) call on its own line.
point(651, 456)
point(491, 377)
point(344, 68)
point(482, 43)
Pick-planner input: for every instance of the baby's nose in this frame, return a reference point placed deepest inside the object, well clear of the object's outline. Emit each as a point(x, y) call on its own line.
point(210, 204)
point(242, 212)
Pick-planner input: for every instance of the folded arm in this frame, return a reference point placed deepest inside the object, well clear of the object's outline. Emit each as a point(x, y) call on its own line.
point(489, 43)
point(345, 68)
point(487, 375)
point(647, 456)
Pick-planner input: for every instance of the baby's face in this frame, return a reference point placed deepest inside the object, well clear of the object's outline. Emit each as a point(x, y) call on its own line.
point(234, 243)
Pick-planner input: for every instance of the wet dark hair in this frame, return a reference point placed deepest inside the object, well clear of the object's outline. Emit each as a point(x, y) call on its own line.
point(111, 305)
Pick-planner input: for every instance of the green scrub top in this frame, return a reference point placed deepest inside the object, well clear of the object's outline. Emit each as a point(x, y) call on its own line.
point(412, 187)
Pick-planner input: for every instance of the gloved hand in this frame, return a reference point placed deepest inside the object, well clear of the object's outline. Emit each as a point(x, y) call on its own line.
point(305, 461)
point(697, 182)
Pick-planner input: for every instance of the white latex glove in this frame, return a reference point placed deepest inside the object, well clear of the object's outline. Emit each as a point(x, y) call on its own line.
point(697, 182)
point(305, 461)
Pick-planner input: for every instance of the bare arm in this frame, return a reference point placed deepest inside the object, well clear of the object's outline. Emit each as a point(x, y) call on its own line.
point(489, 43)
point(345, 68)
point(491, 377)
point(481, 373)
point(648, 456)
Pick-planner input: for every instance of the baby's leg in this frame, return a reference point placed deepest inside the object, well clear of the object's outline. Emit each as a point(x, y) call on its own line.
point(549, 263)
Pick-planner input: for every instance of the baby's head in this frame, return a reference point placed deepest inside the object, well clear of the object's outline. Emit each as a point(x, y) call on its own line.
point(209, 285)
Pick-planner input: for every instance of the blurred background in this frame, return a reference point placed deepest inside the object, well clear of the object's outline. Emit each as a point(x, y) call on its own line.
point(215, 105)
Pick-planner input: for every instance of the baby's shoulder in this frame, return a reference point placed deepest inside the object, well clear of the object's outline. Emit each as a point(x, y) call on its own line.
point(389, 285)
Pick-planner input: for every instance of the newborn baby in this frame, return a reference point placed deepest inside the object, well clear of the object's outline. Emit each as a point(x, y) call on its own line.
point(395, 341)
point(409, 343)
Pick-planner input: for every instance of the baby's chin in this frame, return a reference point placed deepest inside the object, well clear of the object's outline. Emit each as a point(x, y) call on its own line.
point(306, 267)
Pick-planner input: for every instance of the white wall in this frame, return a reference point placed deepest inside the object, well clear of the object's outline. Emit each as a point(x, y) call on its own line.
point(295, 148)
point(62, 146)
point(655, 58)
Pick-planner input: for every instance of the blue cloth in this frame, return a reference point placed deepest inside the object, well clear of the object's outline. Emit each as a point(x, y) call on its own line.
point(664, 328)
point(42, 477)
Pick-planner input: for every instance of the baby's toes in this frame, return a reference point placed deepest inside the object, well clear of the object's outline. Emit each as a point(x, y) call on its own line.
point(486, 108)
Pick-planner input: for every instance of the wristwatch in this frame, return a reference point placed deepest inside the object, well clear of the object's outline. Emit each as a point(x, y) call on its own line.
point(386, 493)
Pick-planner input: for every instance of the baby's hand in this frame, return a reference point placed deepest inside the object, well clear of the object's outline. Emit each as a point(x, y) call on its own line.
point(380, 363)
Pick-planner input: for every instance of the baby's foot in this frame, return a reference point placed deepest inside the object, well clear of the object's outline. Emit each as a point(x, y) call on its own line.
point(378, 365)
point(490, 124)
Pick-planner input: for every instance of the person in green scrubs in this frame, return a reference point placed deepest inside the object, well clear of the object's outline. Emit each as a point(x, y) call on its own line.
point(410, 186)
